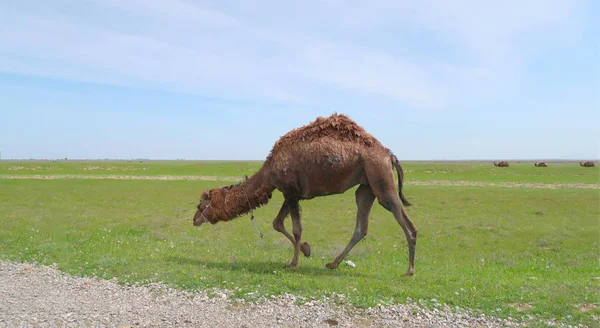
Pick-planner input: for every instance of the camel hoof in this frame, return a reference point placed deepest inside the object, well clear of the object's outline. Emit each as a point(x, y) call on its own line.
point(408, 274)
point(290, 266)
point(305, 248)
point(332, 265)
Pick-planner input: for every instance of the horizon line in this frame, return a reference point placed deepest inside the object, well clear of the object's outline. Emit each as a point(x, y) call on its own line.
point(262, 160)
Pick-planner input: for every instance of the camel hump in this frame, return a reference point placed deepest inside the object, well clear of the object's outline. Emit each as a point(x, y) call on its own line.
point(337, 126)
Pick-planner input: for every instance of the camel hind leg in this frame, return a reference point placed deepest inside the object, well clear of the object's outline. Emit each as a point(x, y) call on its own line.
point(412, 240)
point(279, 226)
point(364, 202)
point(382, 184)
point(392, 204)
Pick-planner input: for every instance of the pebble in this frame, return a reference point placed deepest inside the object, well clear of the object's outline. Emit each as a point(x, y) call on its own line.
point(45, 297)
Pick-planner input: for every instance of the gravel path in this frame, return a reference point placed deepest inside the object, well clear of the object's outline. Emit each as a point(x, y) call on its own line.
point(238, 179)
point(41, 296)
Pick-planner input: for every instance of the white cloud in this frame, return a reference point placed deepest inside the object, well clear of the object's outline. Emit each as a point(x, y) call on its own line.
point(72, 51)
point(366, 71)
point(287, 51)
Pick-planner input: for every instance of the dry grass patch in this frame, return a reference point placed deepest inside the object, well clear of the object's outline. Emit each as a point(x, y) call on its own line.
point(521, 307)
point(586, 307)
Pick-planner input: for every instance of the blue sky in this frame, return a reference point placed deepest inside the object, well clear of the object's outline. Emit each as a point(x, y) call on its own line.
point(167, 79)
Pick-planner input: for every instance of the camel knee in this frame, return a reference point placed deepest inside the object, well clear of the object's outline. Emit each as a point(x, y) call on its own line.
point(297, 230)
point(389, 204)
point(364, 229)
point(358, 235)
point(385, 204)
point(411, 238)
point(413, 230)
point(297, 234)
point(278, 225)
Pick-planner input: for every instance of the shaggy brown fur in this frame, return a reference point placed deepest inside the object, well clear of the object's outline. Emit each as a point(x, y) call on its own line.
point(587, 164)
point(338, 126)
point(328, 156)
point(540, 164)
point(236, 200)
point(501, 164)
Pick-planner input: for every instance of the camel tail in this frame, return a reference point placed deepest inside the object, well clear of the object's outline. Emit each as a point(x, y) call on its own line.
point(400, 172)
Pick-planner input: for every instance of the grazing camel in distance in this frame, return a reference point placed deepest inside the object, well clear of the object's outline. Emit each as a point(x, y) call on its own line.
point(326, 157)
point(501, 164)
point(587, 164)
point(541, 164)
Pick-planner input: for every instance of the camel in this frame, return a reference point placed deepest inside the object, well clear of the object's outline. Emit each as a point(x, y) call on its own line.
point(326, 157)
point(501, 164)
point(540, 164)
point(587, 164)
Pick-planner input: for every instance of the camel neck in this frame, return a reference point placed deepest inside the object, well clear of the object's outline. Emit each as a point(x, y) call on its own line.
point(247, 196)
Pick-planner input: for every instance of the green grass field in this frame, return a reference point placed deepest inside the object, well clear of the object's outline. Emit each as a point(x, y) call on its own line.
point(417, 171)
point(504, 251)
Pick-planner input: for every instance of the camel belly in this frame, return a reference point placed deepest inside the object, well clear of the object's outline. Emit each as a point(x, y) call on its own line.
point(329, 176)
point(329, 183)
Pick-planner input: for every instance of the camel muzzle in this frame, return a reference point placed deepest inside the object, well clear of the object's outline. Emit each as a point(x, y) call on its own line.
point(199, 219)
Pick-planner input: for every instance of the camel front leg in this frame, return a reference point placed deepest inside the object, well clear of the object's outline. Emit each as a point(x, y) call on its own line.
point(364, 202)
point(297, 230)
point(279, 226)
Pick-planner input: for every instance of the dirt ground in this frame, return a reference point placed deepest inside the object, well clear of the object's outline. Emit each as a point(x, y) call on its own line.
point(218, 178)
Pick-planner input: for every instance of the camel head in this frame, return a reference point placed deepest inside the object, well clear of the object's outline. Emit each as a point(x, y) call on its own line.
point(205, 212)
point(210, 202)
point(228, 202)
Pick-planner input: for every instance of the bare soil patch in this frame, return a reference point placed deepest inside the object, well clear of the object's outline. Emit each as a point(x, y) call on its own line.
point(23, 168)
point(121, 177)
point(586, 307)
point(114, 168)
point(504, 184)
point(225, 178)
point(521, 306)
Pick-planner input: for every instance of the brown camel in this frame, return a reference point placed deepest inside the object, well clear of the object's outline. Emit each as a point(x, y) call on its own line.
point(587, 164)
point(501, 164)
point(540, 164)
point(328, 156)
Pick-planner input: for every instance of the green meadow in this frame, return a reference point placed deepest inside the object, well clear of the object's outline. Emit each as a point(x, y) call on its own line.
point(520, 252)
point(417, 171)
